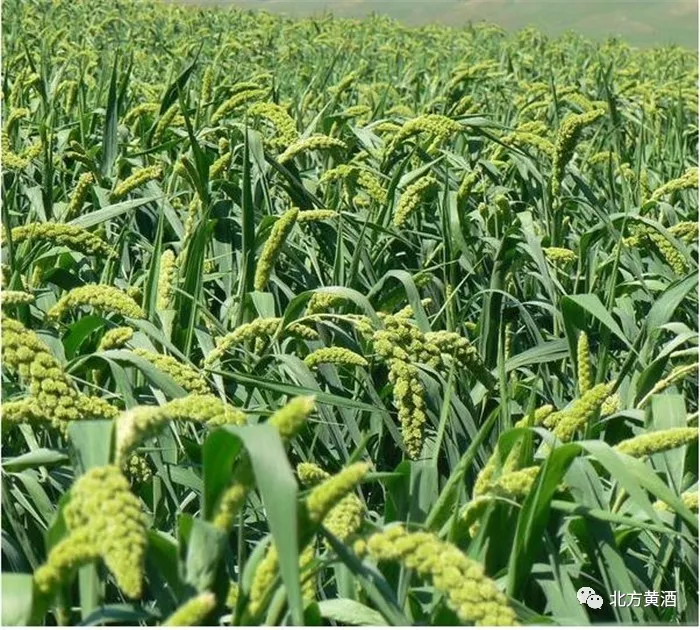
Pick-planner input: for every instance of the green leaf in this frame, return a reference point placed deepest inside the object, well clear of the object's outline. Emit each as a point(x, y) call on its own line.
point(17, 599)
point(295, 390)
point(218, 453)
point(248, 232)
point(177, 85)
point(633, 475)
point(161, 380)
point(351, 613)
point(110, 212)
point(34, 459)
point(662, 310)
point(92, 442)
point(110, 135)
point(205, 549)
point(278, 488)
point(574, 308)
point(534, 516)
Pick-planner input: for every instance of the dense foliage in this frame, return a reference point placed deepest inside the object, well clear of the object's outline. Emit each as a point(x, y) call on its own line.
point(333, 321)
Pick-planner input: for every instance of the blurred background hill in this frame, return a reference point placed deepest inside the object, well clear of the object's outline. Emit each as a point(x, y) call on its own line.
point(640, 22)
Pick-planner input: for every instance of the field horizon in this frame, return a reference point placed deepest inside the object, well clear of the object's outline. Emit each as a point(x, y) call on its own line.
point(644, 23)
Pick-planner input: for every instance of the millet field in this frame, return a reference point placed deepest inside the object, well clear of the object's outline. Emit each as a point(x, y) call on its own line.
point(340, 322)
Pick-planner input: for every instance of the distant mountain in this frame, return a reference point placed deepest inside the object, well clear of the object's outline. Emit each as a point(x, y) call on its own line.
point(640, 22)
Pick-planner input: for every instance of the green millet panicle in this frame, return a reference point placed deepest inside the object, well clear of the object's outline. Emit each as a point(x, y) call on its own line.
point(101, 297)
point(74, 551)
point(346, 518)
point(166, 280)
point(612, 404)
point(140, 110)
point(345, 83)
point(23, 411)
point(470, 178)
point(103, 514)
point(454, 345)
point(15, 298)
point(356, 111)
point(486, 476)
point(530, 139)
point(658, 441)
point(473, 511)
point(439, 127)
point(76, 238)
point(686, 231)
point(260, 330)
point(51, 388)
point(325, 496)
point(343, 520)
point(308, 575)
point(583, 359)
point(689, 180)
point(224, 145)
point(292, 417)
point(401, 344)
point(139, 423)
point(237, 100)
point(469, 593)
point(307, 216)
point(517, 483)
point(513, 460)
point(165, 121)
point(310, 474)
point(230, 503)
point(603, 157)
point(193, 612)
point(511, 482)
point(312, 143)
point(138, 470)
point(116, 338)
point(14, 162)
point(676, 375)
point(138, 178)
point(321, 302)
point(414, 194)
point(407, 311)
point(568, 421)
point(642, 233)
point(363, 325)
point(371, 185)
point(408, 394)
point(78, 197)
point(185, 376)
point(559, 255)
point(220, 165)
point(354, 176)
point(335, 355)
point(14, 116)
point(541, 413)
point(207, 86)
point(464, 105)
point(277, 115)
point(264, 577)
point(232, 595)
point(273, 247)
point(566, 140)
